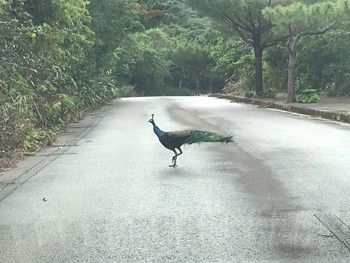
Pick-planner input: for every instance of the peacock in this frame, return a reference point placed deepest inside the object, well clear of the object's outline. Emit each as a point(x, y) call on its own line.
point(173, 140)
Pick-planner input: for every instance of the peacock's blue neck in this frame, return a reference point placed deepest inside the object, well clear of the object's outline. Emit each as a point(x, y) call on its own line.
point(157, 131)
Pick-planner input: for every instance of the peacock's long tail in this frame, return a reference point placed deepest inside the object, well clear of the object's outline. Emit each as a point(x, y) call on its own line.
point(206, 136)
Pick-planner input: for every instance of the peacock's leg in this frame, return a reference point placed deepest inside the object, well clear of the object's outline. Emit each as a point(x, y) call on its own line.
point(174, 159)
point(180, 151)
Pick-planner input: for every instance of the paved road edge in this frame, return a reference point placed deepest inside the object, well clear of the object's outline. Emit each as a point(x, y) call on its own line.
point(334, 116)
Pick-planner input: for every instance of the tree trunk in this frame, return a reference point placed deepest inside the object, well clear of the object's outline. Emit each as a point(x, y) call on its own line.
point(198, 86)
point(180, 83)
point(258, 51)
point(291, 45)
point(210, 87)
point(182, 76)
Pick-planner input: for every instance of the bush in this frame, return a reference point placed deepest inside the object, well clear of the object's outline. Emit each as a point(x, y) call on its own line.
point(249, 94)
point(309, 96)
point(269, 93)
point(337, 90)
point(126, 91)
point(172, 91)
point(36, 138)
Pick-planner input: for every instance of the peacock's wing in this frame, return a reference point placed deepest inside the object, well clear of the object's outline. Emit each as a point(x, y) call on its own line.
point(174, 139)
point(198, 136)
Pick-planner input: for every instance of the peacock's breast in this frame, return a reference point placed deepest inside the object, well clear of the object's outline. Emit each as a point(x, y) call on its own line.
point(170, 141)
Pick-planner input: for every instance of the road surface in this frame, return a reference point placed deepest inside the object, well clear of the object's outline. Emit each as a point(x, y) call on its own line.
point(104, 191)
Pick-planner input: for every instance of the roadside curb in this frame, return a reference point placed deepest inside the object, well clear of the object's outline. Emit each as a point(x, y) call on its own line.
point(330, 115)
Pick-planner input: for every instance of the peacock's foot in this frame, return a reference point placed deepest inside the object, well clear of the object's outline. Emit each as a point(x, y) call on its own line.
point(173, 161)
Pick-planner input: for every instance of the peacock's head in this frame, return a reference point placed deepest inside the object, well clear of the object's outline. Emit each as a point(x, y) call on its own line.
point(151, 119)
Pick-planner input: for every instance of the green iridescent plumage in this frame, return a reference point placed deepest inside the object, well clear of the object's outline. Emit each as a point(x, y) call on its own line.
point(173, 140)
point(198, 136)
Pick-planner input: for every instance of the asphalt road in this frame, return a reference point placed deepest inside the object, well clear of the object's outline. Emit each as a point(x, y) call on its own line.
point(104, 191)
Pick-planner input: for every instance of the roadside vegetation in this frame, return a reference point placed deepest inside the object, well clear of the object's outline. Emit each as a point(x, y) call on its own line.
point(61, 58)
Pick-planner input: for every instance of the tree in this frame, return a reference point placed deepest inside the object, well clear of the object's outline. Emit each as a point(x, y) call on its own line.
point(112, 21)
point(192, 58)
point(164, 12)
point(140, 60)
point(298, 20)
point(324, 62)
point(244, 19)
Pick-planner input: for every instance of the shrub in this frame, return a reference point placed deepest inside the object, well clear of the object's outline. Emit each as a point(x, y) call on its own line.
point(269, 93)
point(309, 96)
point(249, 94)
point(126, 91)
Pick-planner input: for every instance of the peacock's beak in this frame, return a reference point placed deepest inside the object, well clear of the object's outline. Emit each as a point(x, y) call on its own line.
point(151, 120)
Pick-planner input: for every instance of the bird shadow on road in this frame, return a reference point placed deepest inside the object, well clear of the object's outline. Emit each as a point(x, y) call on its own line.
point(177, 172)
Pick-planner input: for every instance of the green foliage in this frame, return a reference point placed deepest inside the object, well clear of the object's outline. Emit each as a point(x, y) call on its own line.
point(59, 58)
point(300, 19)
point(141, 61)
point(126, 91)
point(239, 62)
point(342, 89)
point(173, 91)
point(237, 17)
point(243, 19)
point(249, 94)
point(44, 49)
point(112, 21)
point(36, 138)
point(309, 96)
point(324, 62)
point(170, 15)
point(193, 59)
point(236, 61)
point(275, 68)
point(269, 93)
